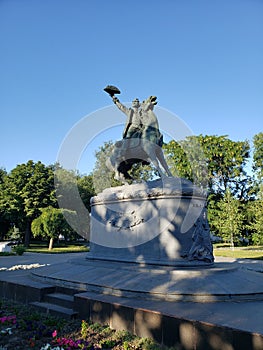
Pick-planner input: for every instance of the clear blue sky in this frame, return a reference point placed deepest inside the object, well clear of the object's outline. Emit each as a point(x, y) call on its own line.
point(202, 58)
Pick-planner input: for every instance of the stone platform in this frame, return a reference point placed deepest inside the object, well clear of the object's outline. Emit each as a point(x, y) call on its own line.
point(221, 282)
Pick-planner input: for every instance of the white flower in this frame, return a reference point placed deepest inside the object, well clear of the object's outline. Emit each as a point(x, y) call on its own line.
point(48, 347)
point(6, 331)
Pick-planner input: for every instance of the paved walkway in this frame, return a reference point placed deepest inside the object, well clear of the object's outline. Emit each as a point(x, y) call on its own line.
point(250, 264)
point(27, 259)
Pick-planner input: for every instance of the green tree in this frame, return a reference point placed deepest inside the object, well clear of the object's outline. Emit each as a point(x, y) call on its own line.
point(102, 177)
point(186, 159)
point(4, 222)
point(255, 224)
point(228, 219)
point(3, 174)
point(255, 207)
point(73, 193)
point(226, 163)
point(26, 189)
point(51, 223)
point(177, 160)
point(215, 161)
point(86, 189)
point(258, 154)
point(258, 162)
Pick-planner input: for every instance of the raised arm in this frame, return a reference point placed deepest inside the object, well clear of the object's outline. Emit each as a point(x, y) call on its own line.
point(121, 107)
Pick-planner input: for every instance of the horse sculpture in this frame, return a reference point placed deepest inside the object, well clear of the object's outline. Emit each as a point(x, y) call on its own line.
point(145, 145)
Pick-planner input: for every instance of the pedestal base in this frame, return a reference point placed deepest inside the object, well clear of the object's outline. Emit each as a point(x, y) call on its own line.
point(158, 222)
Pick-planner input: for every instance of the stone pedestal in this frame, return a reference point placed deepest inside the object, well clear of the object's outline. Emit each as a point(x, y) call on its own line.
point(157, 222)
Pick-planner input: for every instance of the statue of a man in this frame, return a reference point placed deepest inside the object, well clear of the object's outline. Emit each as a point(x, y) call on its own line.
point(142, 140)
point(141, 121)
point(133, 127)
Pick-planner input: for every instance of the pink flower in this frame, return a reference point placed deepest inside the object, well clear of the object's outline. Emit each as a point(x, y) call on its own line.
point(55, 333)
point(3, 319)
point(8, 319)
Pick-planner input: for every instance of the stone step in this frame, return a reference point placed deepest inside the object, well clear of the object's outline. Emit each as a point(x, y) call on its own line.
point(22, 288)
point(54, 310)
point(60, 299)
point(66, 290)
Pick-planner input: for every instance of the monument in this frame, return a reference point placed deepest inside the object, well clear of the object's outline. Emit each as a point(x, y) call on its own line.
point(150, 252)
point(161, 222)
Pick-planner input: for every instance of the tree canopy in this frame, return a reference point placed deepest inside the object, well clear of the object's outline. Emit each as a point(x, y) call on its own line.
point(214, 161)
point(51, 224)
point(25, 190)
point(229, 218)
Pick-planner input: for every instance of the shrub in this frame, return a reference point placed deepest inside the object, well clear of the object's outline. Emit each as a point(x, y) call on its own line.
point(19, 249)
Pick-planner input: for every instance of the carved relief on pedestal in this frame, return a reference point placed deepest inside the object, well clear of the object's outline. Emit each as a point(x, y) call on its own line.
point(126, 221)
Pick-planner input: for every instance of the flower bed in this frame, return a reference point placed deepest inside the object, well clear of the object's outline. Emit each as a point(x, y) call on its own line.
point(24, 328)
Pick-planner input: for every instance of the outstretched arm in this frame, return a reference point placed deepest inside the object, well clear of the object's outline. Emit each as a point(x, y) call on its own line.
point(121, 107)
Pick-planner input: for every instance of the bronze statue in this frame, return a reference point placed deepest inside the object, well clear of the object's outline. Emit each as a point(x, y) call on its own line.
point(133, 123)
point(142, 140)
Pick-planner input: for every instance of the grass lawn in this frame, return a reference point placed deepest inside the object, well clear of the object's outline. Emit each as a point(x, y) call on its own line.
point(42, 247)
point(250, 252)
point(220, 249)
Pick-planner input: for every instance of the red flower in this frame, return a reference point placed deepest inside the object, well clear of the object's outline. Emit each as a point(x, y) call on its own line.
point(31, 343)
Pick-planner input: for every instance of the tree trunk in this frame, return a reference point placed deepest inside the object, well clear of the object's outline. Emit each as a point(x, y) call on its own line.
point(50, 247)
point(27, 233)
point(232, 241)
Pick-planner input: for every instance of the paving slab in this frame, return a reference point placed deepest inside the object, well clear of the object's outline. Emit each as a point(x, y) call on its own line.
point(27, 259)
point(224, 281)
